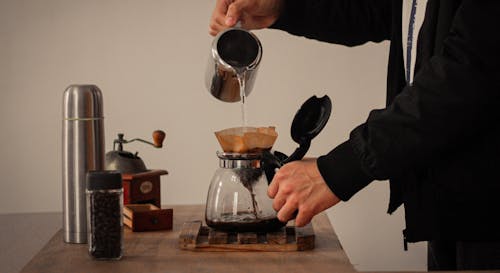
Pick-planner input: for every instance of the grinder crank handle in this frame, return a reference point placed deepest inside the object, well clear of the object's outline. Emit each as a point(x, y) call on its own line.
point(158, 137)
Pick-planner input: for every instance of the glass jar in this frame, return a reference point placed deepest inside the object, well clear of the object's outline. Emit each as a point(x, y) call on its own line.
point(104, 212)
point(237, 198)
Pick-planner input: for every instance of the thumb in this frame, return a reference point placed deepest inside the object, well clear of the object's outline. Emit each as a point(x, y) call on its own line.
point(234, 12)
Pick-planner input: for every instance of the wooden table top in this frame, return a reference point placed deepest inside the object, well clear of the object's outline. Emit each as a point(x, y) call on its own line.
point(158, 251)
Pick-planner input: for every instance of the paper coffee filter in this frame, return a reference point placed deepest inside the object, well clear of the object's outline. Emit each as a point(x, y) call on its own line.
point(246, 139)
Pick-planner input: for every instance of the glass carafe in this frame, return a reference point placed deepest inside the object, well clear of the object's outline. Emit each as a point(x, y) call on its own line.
point(237, 197)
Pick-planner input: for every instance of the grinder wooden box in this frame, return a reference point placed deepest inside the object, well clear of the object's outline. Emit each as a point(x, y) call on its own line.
point(143, 187)
point(147, 217)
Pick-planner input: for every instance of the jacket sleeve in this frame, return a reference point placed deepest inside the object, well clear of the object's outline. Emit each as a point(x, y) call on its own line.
point(454, 98)
point(347, 22)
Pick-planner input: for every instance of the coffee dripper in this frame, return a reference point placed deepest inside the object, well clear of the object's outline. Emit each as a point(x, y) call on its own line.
point(237, 198)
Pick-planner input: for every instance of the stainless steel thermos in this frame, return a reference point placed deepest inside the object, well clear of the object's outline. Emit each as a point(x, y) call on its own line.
point(83, 151)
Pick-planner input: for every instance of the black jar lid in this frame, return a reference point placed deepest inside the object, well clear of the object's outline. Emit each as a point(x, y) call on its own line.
point(104, 180)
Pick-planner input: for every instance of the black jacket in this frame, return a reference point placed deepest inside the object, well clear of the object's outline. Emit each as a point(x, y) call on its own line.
point(437, 141)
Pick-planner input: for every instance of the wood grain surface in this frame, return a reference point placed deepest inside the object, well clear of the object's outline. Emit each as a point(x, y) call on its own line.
point(158, 251)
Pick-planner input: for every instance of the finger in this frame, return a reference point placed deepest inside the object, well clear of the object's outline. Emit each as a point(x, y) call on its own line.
point(219, 20)
point(215, 27)
point(278, 202)
point(304, 217)
point(221, 6)
point(272, 190)
point(287, 211)
point(234, 12)
point(218, 16)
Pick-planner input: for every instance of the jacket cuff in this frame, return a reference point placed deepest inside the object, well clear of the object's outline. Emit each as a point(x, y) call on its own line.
point(342, 171)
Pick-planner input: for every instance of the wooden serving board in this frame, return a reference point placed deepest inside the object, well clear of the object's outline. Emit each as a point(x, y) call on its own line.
point(196, 237)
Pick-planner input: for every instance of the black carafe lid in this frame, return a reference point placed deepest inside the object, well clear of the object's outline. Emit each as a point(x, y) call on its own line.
point(308, 122)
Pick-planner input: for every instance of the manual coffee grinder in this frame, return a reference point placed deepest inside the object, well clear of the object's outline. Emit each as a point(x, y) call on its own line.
point(140, 184)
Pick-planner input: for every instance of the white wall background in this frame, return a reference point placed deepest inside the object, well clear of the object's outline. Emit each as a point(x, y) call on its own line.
point(149, 59)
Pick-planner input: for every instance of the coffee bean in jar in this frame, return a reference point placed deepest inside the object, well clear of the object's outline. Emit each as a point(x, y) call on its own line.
point(104, 212)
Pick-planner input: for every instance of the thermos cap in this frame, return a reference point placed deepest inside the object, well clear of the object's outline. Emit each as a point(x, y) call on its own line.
point(104, 180)
point(82, 102)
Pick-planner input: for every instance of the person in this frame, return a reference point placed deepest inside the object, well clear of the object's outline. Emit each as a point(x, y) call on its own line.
point(436, 141)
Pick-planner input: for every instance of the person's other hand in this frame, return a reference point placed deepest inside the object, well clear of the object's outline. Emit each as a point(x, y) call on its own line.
point(253, 14)
point(299, 185)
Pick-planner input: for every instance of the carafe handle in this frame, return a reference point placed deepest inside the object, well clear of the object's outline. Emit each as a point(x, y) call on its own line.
point(270, 162)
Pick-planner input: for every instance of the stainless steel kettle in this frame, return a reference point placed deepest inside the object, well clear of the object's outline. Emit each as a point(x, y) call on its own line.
point(234, 52)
